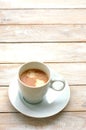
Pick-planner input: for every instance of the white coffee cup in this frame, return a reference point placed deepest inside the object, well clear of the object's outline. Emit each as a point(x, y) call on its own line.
point(36, 94)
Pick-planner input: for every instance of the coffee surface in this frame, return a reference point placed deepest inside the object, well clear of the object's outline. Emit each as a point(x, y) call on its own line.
point(34, 77)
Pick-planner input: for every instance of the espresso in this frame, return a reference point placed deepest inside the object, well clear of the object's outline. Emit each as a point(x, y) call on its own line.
point(34, 77)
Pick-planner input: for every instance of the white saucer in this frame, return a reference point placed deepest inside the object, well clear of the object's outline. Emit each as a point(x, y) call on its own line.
point(53, 103)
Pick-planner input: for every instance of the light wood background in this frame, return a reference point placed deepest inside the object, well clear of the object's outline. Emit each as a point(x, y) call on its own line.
point(53, 32)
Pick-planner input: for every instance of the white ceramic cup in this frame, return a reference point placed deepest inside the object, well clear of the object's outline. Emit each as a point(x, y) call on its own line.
point(36, 94)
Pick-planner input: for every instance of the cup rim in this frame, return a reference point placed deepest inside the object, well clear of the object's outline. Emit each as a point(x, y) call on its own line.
point(25, 85)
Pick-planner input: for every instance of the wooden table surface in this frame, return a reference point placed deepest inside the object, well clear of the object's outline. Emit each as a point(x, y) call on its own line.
point(53, 32)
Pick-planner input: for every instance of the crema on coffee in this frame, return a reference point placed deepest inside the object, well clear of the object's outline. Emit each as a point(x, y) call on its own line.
point(34, 77)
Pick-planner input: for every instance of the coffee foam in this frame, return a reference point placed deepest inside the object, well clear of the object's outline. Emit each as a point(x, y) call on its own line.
point(34, 77)
point(39, 82)
point(31, 74)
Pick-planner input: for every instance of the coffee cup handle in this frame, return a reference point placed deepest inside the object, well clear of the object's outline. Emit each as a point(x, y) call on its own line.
point(57, 85)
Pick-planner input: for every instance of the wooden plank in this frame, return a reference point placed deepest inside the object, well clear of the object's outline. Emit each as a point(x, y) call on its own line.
point(5, 105)
point(43, 16)
point(42, 33)
point(64, 120)
point(47, 52)
point(77, 100)
point(42, 4)
point(74, 73)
